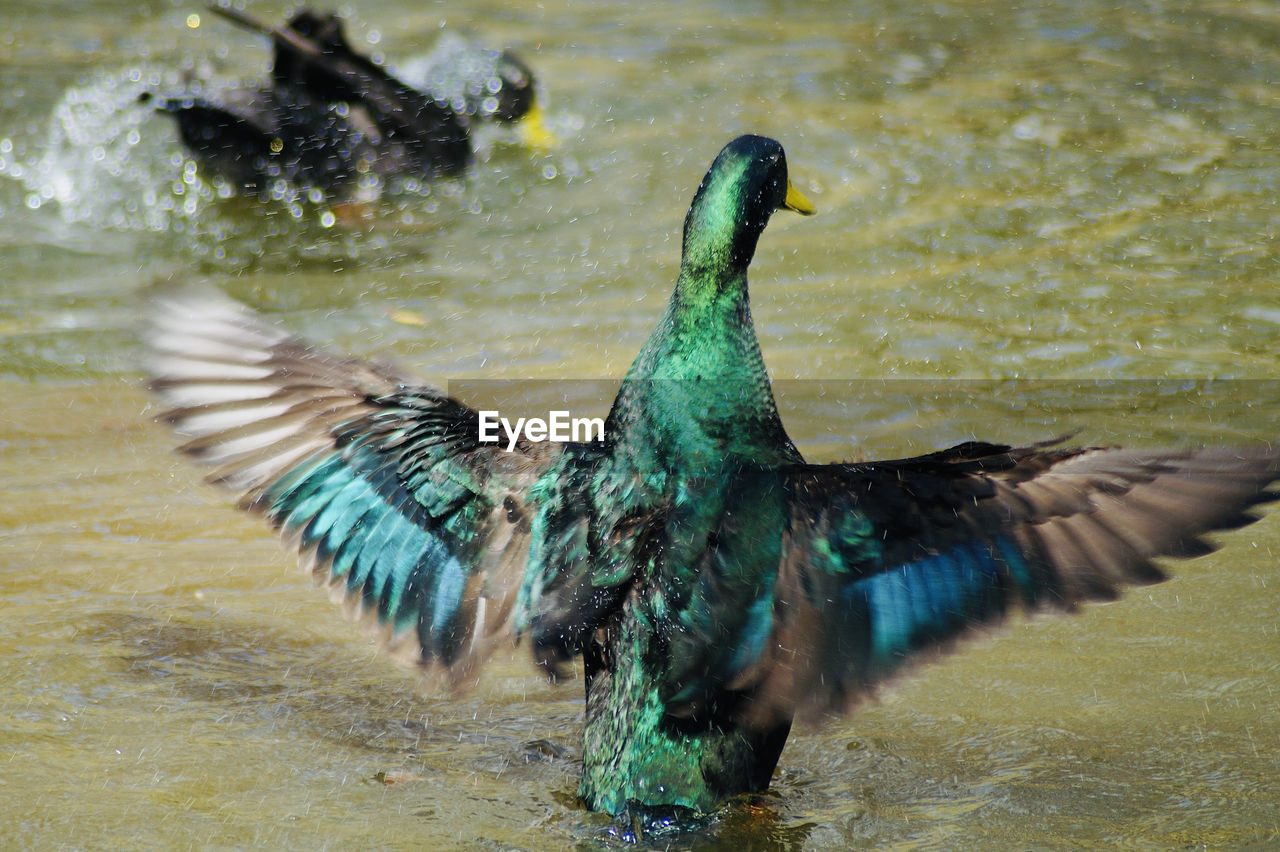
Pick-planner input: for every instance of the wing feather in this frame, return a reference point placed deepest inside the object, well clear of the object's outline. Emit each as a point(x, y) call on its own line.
point(887, 564)
point(382, 488)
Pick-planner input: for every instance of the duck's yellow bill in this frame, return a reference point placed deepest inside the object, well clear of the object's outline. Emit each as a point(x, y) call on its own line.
point(796, 201)
point(533, 133)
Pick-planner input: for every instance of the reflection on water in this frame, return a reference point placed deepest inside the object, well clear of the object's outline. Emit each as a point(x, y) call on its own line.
point(1007, 193)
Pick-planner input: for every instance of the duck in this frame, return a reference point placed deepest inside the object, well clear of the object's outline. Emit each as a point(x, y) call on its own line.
point(332, 120)
point(712, 584)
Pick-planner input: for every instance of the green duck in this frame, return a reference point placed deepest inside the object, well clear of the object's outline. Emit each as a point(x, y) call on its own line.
point(714, 584)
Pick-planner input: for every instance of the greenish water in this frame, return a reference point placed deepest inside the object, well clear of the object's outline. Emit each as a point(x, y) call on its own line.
point(1016, 202)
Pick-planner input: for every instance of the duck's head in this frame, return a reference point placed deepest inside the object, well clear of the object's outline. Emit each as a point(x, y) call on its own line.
point(745, 184)
point(516, 101)
point(514, 96)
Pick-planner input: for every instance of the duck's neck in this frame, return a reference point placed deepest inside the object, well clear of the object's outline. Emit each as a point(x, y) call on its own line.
point(698, 394)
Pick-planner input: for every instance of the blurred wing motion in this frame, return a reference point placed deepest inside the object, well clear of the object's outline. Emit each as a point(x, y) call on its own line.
point(383, 488)
point(883, 563)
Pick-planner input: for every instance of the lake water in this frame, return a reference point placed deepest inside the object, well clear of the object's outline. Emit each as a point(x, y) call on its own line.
point(1034, 219)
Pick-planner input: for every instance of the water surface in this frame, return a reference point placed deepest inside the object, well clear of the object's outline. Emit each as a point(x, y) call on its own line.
point(1017, 201)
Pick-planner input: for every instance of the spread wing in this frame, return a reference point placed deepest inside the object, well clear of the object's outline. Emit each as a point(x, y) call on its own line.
point(383, 488)
point(885, 563)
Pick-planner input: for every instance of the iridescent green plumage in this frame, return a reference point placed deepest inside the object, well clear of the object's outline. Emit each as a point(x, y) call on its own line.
point(713, 583)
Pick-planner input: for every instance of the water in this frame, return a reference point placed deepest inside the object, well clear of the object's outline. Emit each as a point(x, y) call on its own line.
point(1015, 201)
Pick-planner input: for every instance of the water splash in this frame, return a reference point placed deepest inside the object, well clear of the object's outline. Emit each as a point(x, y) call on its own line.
point(105, 160)
point(108, 160)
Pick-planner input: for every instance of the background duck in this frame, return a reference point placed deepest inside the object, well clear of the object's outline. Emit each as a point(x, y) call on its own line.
point(714, 584)
point(332, 119)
